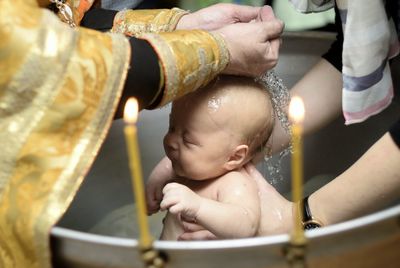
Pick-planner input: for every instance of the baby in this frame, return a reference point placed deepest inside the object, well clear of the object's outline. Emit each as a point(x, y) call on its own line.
point(213, 132)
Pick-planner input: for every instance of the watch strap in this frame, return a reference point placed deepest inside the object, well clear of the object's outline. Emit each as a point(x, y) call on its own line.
point(309, 222)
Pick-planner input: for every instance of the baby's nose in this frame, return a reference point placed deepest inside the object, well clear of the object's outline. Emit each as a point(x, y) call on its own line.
point(170, 142)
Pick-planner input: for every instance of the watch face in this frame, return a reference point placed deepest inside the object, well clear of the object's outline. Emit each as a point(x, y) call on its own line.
point(311, 225)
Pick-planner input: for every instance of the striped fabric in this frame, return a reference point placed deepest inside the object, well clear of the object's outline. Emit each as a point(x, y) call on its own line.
point(370, 40)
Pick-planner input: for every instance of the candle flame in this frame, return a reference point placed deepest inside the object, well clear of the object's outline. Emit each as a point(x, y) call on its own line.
point(131, 111)
point(296, 109)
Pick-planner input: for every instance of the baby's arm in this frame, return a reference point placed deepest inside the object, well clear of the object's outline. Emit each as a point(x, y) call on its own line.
point(235, 214)
point(159, 177)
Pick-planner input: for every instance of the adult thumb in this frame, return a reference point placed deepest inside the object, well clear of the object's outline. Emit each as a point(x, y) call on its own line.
point(271, 29)
point(247, 13)
point(266, 13)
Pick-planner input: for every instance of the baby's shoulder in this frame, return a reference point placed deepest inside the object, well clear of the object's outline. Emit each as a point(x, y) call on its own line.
point(234, 175)
point(236, 184)
point(235, 178)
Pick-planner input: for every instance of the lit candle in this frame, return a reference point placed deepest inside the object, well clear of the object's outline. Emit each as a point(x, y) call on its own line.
point(296, 115)
point(130, 130)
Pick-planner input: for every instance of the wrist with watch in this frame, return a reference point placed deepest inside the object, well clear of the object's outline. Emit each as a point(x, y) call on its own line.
point(308, 221)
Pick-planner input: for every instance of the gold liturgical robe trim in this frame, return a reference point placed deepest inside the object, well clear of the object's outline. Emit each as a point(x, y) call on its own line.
point(137, 22)
point(59, 88)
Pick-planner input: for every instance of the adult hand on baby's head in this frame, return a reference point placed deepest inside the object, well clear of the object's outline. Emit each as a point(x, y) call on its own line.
point(217, 16)
point(252, 35)
point(266, 14)
point(252, 46)
point(180, 199)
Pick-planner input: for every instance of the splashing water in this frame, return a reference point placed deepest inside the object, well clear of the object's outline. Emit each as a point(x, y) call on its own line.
point(280, 99)
point(279, 95)
point(273, 166)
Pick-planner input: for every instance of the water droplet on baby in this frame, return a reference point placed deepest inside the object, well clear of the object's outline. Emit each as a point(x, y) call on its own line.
point(214, 104)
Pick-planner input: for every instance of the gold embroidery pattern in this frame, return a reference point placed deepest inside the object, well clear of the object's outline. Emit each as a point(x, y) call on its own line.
point(79, 8)
point(56, 104)
point(189, 59)
point(137, 22)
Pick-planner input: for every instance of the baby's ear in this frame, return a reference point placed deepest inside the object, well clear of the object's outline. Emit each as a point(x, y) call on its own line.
point(238, 157)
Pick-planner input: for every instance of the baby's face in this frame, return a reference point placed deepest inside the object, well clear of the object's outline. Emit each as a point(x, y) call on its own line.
point(197, 143)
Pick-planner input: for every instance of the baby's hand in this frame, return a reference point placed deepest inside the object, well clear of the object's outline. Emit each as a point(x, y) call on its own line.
point(159, 177)
point(180, 199)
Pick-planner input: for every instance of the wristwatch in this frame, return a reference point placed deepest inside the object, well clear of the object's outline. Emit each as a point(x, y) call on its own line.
point(309, 222)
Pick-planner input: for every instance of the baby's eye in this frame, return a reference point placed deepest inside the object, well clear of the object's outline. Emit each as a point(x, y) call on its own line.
point(187, 140)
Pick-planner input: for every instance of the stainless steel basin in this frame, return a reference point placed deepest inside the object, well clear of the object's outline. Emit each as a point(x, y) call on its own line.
point(362, 242)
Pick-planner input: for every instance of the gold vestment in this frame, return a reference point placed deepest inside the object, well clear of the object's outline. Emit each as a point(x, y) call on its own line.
point(59, 88)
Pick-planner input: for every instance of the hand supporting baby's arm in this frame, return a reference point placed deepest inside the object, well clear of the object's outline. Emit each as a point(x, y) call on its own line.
point(235, 214)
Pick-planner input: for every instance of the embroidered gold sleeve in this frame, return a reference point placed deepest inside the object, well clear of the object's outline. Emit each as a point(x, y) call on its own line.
point(137, 22)
point(189, 60)
point(59, 88)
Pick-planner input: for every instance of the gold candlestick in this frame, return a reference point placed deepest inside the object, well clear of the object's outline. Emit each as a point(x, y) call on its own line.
point(296, 115)
point(130, 130)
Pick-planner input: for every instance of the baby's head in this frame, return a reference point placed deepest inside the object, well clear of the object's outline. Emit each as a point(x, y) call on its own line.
point(218, 128)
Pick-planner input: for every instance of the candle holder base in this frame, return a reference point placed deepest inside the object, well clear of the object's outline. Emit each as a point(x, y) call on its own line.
point(153, 258)
point(295, 255)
